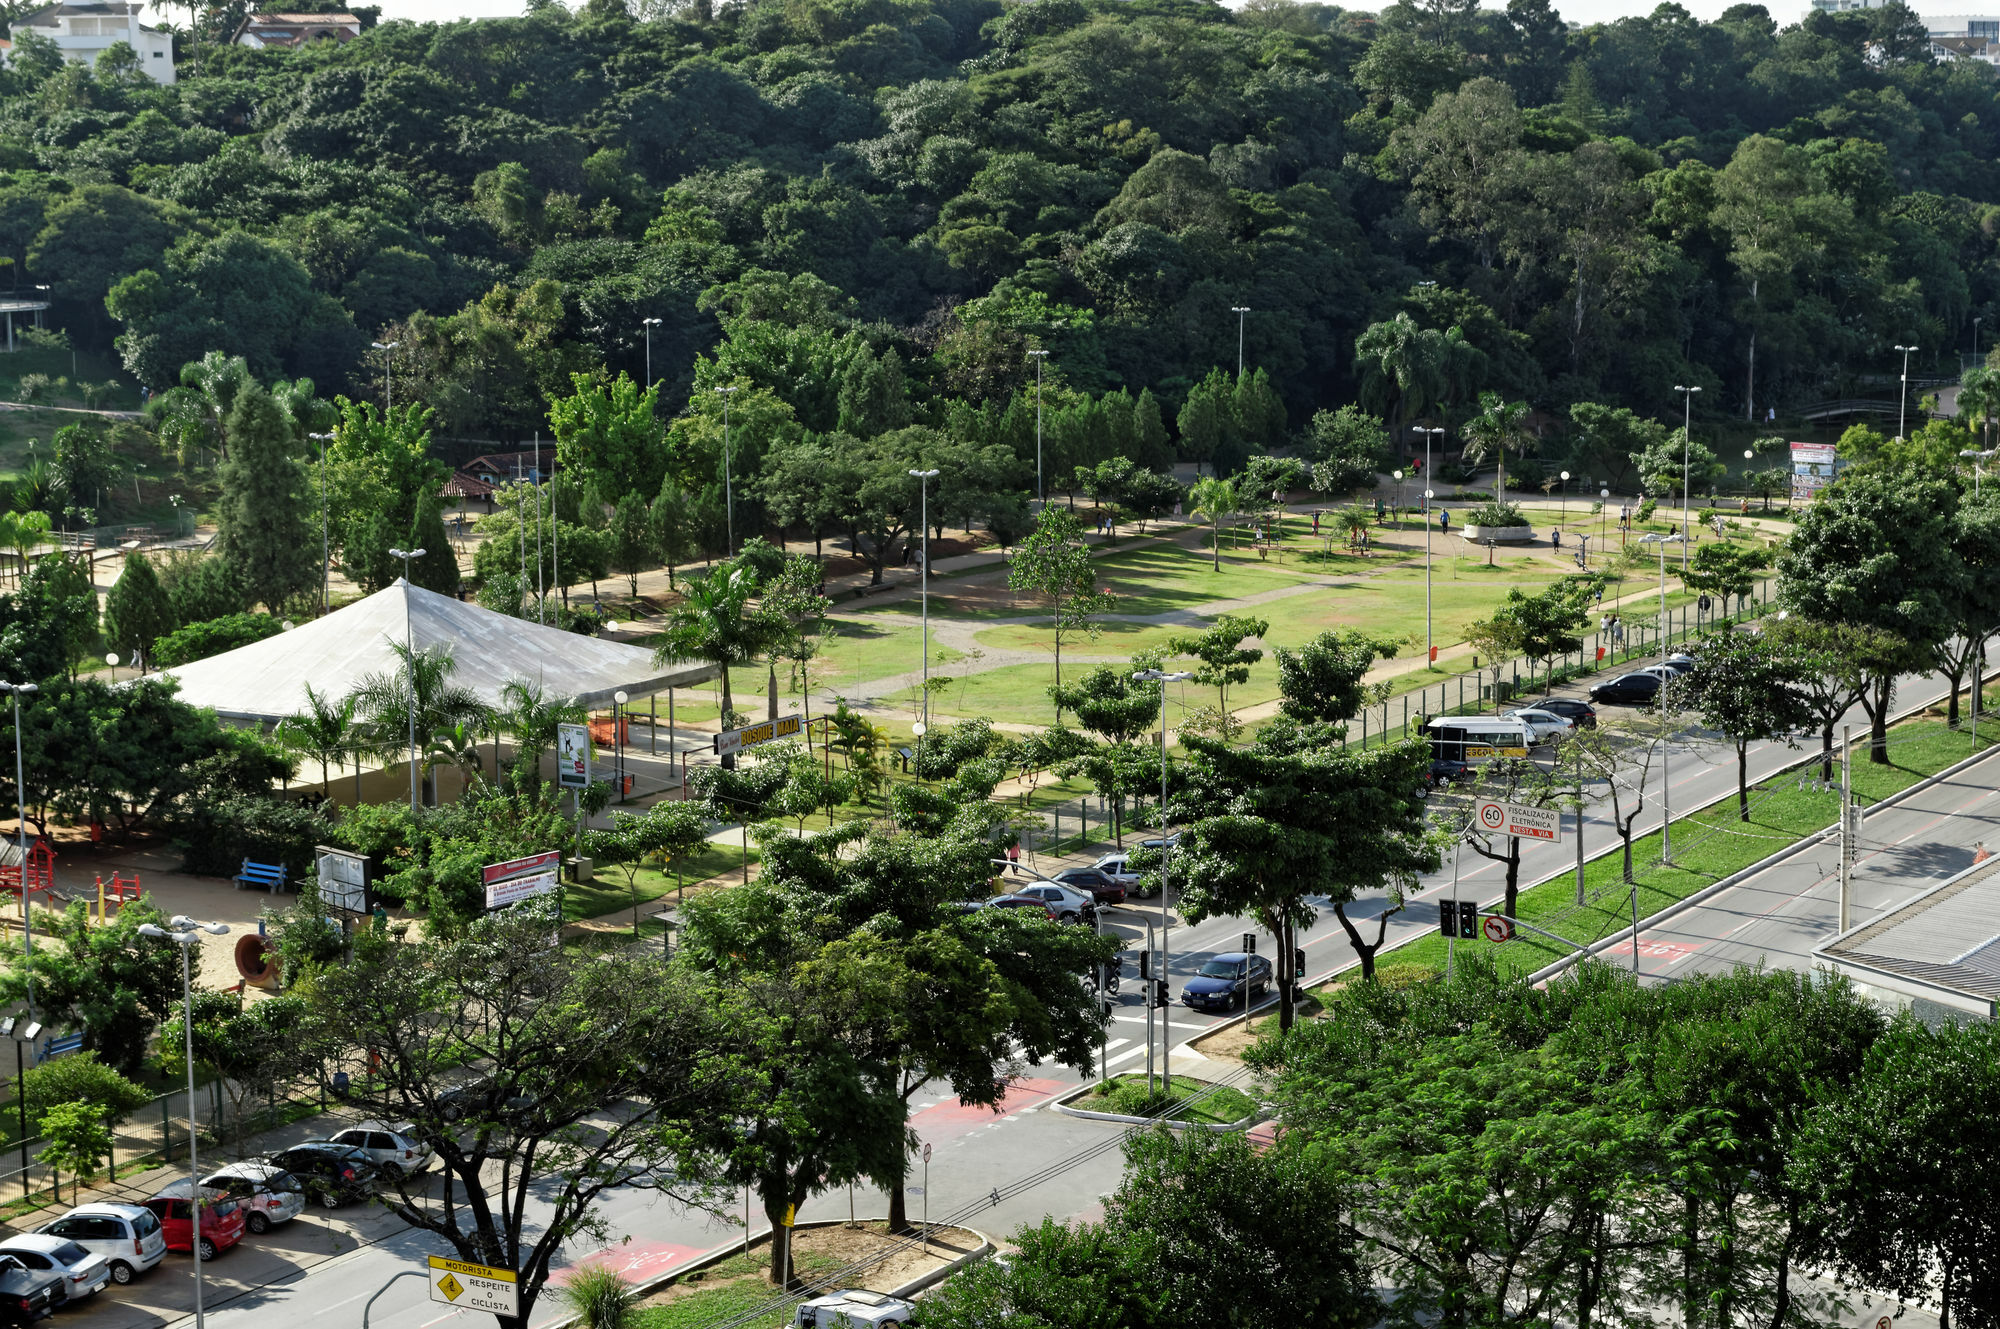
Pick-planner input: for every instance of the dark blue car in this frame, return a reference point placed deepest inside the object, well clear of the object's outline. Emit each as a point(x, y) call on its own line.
point(1218, 985)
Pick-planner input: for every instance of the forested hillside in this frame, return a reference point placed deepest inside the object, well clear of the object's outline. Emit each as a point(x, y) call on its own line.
point(877, 208)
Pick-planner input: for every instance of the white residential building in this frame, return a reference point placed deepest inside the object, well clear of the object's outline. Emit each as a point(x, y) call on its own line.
point(295, 30)
point(86, 29)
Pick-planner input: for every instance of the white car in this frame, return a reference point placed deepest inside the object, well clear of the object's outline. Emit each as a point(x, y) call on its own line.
point(128, 1236)
point(1069, 904)
point(269, 1195)
point(391, 1148)
point(88, 1272)
point(1543, 726)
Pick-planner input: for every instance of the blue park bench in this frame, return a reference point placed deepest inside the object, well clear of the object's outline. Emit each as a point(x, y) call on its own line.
point(271, 876)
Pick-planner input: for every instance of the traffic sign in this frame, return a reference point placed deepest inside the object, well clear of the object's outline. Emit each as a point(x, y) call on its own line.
point(1530, 823)
point(475, 1287)
point(1497, 928)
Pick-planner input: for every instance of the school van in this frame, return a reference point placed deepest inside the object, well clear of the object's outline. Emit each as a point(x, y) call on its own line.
point(1477, 737)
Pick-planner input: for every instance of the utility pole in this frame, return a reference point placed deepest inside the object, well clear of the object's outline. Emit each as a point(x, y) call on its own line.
point(1041, 358)
point(1240, 311)
point(1687, 444)
point(1847, 825)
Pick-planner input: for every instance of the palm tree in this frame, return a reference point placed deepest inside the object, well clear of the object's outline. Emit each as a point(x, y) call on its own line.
point(532, 717)
point(24, 534)
point(1214, 498)
point(1498, 426)
point(325, 731)
point(385, 700)
point(710, 625)
point(457, 746)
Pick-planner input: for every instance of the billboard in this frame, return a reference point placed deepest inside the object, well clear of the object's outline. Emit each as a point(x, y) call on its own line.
point(1813, 468)
point(572, 756)
point(521, 878)
point(735, 740)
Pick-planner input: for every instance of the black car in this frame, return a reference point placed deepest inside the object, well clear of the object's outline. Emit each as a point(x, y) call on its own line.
point(1099, 886)
point(1628, 690)
point(26, 1295)
point(331, 1174)
point(1576, 712)
point(1445, 772)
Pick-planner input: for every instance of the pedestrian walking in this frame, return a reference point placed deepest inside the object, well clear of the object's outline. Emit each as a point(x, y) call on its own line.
point(1557, 538)
point(1014, 858)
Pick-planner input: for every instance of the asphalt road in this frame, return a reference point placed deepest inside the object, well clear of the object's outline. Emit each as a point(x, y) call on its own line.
point(996, 1171)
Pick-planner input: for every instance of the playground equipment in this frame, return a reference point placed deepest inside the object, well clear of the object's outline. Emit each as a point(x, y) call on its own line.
point(118, 891)
point(39, 871)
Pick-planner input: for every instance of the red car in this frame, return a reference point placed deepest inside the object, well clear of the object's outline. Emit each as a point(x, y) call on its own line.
point(221, 1219)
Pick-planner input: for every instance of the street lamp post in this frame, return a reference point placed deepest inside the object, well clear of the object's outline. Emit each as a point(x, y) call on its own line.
point(1241, 311)
point(1166, 849)
point(1977, 457)
point(17, 691)
point(410, 646)
point(618, 700)
point(1399, 500)
point(1563, 513)
point(1430, 649)
point(388, 375)
point(184, 932)
point(325, 549)
point(1041, 358)
point(1687, 444)
point(728, 483)
point(650, 323)
point(1903, 411)
point(923, 479)
point(1666, 781)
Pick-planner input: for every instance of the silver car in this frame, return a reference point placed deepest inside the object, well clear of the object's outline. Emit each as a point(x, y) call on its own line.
point(391, 1148)
point(128, 1236)
point(1067, 903)
point(88, 1272)
point(269, 1195)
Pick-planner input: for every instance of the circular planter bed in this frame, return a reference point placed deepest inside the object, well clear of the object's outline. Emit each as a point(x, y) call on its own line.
point(1504, 535)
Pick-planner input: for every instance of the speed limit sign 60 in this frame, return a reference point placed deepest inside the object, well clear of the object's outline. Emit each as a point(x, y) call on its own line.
point(1492, 816)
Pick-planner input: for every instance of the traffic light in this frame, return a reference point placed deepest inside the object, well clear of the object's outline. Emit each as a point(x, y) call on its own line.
point(1249, 943)
point(1468, 919)
point(1448, 918)
point(1145, 964)
point(1298, 964)
point(1159, 992)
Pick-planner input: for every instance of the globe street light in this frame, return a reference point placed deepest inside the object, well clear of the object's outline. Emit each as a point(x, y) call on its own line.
point(1040, 358)
point(17, 691)
point(1666, 781)
point(1903, 411)
point(649, 323)
point(1399, 500)
point(184, 932)
point(618, 700)
point(923, 479)
point(1166, 849)
point(1687, 436)
point(1564, 517)
point(728, 485)
point(1240, 311)
point(410, 648)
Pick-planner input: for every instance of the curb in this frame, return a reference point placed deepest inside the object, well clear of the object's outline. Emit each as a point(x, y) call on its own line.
point(1219, 1128)
point(985, 1248)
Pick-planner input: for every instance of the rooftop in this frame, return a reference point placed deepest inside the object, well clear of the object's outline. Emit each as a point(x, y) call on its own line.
point(1942, 947)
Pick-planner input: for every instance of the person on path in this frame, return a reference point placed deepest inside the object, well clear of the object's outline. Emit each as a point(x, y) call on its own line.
point(1557, 538)
point(1444, 519)
point(1014, 858)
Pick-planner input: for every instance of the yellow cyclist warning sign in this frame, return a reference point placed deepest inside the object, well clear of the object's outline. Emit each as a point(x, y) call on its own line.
point(475, 1287)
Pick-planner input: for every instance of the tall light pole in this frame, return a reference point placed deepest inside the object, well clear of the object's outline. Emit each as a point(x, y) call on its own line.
point(1687, 444)
point(1437, 432)
point(1399, 500)
point(184, 932)
point(1903, 411)
point(1977, 457)
point(1166, 849)
point(650, 323)
point(1564, 517)
point(388, 374)
point(17, 691)
point(1240, 311)
point(325, 554)
point(923, 479)
point(728, 482)
point(410, 646)
point(1041, 358)
point(1666, 781)
point(1975, 336)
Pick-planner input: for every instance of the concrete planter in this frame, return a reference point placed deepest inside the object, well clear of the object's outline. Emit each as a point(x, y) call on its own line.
point(1504, 535)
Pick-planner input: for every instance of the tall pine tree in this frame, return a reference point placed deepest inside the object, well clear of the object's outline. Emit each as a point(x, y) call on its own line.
point(265, 526)
point(136, 610)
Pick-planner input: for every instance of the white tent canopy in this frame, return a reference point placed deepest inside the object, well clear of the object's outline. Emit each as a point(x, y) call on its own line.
point(266, 681)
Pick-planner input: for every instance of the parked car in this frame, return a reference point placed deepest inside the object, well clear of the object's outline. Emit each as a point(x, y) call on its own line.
point(391, 1148)
point(128, 1236)
point(1172, 841)
point(330, 1174)
point(1068, 904)
point(1099, 885)
point(967, 906)
point(83, 1271)
point(214, 1221)
point(1627, 690)
point(1544, 726)
point(268, 1195)
point(1222, 982)
point(1117, 866)
point(1577, 713)
point(26, 1295)
point(1022, 902)
point(1680, 664)
point(1444, 772)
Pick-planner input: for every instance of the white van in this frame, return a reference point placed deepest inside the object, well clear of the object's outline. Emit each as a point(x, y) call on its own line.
point(1477, 737)
point(852, 1308)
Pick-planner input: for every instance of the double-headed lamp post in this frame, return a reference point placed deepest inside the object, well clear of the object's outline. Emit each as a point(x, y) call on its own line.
point(1666, 782)
point(410, 647)
point(923, 479)
point(18, 691)
point(184, 932)
point(1687, 443)
point(1241, 312)
point(1903, 411)
point(728, 483)
point(1166, 842)
point(650, 324)
point(388, 375)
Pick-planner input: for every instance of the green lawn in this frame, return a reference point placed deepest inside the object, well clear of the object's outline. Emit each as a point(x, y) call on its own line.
point(609, 894)
point(728, 1289)
point(1707, 847)
point(1127, 1095)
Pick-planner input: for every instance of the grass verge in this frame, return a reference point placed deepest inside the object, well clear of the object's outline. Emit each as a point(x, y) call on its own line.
point(724, 1291)
point(1127, 1094)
